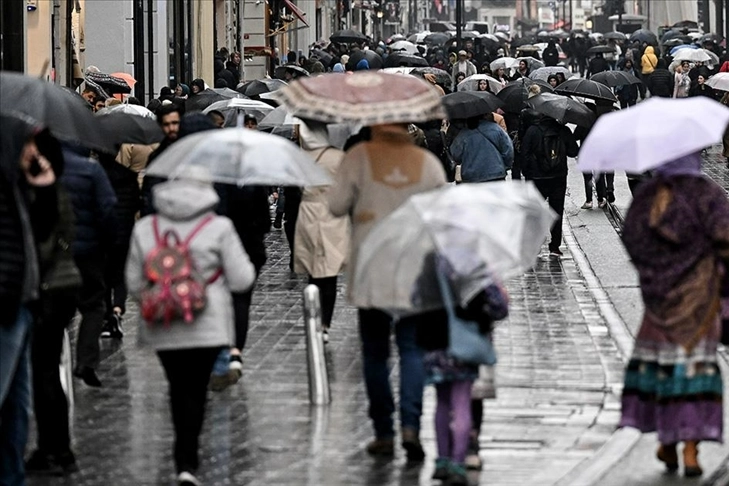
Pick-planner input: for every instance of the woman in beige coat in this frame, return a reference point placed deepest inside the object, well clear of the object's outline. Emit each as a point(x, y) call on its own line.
point(321, 241)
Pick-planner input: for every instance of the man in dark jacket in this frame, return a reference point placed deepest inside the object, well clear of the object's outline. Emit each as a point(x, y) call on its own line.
point(93, 202)
point(598, 64)
point(550, 176)
point(168, 118)
point(550, 56)
point(28, 212)
point(661, 81)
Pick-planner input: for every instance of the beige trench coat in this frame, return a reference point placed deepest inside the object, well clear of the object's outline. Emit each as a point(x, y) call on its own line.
point(321, 241)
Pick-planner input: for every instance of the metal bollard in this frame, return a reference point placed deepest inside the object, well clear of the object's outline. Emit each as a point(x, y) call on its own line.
point(319, 393)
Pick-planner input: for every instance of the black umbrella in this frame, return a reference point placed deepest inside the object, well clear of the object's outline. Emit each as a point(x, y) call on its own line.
point(260, 86)
point(373, 59)
point(673, 42)
point(516, 93)
point(62, 111)
point(616, 36)
point(125, 128)
point(437, 39)
point(324, 57)
point(441, 77)
point(600, 50)
point(644, 35)
point(348, 35)
point(203, 99)
point(297, 71)
point(586, 88)
point(564, 110)
point(398, 59)
point(110, 84)
point(615, 78)
point(469, 104)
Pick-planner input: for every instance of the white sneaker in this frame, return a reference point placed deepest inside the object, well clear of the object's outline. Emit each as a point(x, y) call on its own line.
point(187, 479)
point(473, 462)
point(325, 335)
point(587, 205)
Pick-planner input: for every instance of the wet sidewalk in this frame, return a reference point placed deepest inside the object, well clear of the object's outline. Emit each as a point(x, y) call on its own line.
point(557, 371)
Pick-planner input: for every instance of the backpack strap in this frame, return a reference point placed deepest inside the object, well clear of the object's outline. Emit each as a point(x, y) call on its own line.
point(155, 229)
point(198, 228)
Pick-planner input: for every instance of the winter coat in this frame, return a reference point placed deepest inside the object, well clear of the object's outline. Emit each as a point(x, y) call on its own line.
point(93, 202)
point(135, 157)
point(182, 205)
point(128, 198)
point(485, 153)
point(532, 150)
point(702, 90)
point(681, 85)
point(649, 61)
point(724, 67)
point(661, 83)
point(550, 56)
point(247, 208)
point(470, 71)
point(597, 65)
point(321, 241)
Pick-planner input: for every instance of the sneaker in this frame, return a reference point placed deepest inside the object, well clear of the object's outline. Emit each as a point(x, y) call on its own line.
point(235, 368)
point(555, 252)
point(88, 375)
point(473, 461)
point(325, 335)
point(412, 446)
point(41, 464)
point(219, 383)
point(602, 203)
point(277, 222)
point(187, 479)
point(113, 327)
point(587, 205)
point(442, 468)
point(381, 447)
point(457, 475)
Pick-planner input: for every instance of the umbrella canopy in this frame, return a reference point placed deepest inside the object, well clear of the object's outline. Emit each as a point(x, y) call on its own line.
point(719, 81)
point(644, 35)
point(128, 78)
point(404, 46)
point(502, 35)
point(615, 36)
point(239, 156)
point(110, 84)
point(367, 98)
point(714, 58)
point(692, 55)
point(127, 109)
point(62, 111)
point(674, 43)
point(504, 63)
point(527, 48)
point(544, 73)
point(260, 86)
point(501, 225)
point(564, 110)
point(348, 35)
point(586, 88)
point(441, 77)
point(471, 83)
point(323, 56)
point(418, 38)
point(596, 36)
point(531, 62)
point(297, 71)
point(600, 50)
point(237, 106)
point(468, 104)
point(204, 99)
point(683, 46)
point(126, 128)
point(398, 70)
point(373, 59)
point(395, 38)
point(277, 117)
point(398, 59)
point(652, 133)
point(516, 93)
point(615, 78)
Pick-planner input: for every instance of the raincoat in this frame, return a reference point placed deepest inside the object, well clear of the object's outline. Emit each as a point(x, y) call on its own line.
point(648, 61)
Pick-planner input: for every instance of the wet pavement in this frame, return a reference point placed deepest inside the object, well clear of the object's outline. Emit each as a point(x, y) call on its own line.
point(557, 372)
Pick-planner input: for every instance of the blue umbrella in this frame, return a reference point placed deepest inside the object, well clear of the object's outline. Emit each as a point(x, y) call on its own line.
point(683, 46)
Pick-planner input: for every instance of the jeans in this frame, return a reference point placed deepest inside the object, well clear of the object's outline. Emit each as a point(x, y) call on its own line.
point(554, 190)
point(188, 372)
point(374, 328)
point(222, 362)
point(92, 308)
point(50, 403)
point(14, 398)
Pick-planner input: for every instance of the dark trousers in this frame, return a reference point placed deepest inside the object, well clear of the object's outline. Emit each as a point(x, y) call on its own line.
point(554, 191)
point(92, 307)
point(604, 185)
point(242, 310)
point(327, 297)
point(188, 372)
point(627, 103)
point(50, 404)
point(116, 288)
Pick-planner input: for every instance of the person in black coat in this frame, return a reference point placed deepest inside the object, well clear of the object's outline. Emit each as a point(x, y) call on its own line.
point(550, 56)
point(597, 64)
point(93, 202)
point(661, 81)
point(701, 89)
point(550, 180)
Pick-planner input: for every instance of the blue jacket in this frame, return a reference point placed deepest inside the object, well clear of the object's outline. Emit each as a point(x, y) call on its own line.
point(485, 153)
point(93, 202)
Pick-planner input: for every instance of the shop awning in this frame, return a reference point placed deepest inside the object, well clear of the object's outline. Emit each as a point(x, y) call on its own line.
point(296, 11)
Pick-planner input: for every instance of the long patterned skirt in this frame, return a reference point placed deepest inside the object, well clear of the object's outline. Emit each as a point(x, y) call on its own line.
point(671, 391)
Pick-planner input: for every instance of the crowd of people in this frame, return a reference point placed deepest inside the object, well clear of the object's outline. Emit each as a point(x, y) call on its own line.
point(85, 231)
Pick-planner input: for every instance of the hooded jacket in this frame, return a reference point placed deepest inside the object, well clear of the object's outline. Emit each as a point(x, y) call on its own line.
point(181, 205)
point(649, 61)
point(532, 149)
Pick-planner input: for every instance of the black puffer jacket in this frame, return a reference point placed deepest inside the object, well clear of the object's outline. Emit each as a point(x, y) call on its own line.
point(128, 198)
point(661, 83)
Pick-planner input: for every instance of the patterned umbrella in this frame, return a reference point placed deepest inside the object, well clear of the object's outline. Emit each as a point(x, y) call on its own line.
point(110, 84)
point(367, 98)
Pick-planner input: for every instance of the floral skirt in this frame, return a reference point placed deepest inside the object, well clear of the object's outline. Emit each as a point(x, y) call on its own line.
point(440, 367)
point(672, 392)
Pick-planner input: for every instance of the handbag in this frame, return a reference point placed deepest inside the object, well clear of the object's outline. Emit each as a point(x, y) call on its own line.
point(465, 341)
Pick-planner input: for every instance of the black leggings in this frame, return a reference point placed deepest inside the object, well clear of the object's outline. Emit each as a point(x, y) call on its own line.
point(327, 297)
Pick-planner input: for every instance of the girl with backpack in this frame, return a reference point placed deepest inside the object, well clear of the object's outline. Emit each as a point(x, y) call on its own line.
point(183, 264)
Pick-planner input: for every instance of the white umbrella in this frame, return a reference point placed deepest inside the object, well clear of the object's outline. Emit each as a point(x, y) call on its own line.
point(652, 133)
point(398, 70)
point(719, 81)
point(419, 38)
point(692, 55)
point(404, 46)
point(504, 62)
point(128, 109)
point(239, 156)
point(500, 224)
point(544, 73)
point(714, 61)
point(233, 107)
point(471, 83)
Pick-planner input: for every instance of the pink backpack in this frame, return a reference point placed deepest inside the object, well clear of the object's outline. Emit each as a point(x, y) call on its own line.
point(176, 290)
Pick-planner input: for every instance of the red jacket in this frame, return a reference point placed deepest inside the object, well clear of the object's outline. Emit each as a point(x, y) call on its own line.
point(724, 67)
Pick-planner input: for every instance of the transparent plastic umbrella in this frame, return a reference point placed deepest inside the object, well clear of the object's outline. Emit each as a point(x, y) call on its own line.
point(471, 83)
point(500, 224)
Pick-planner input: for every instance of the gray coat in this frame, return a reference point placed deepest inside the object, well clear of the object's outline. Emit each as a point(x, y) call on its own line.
point(181, 205)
